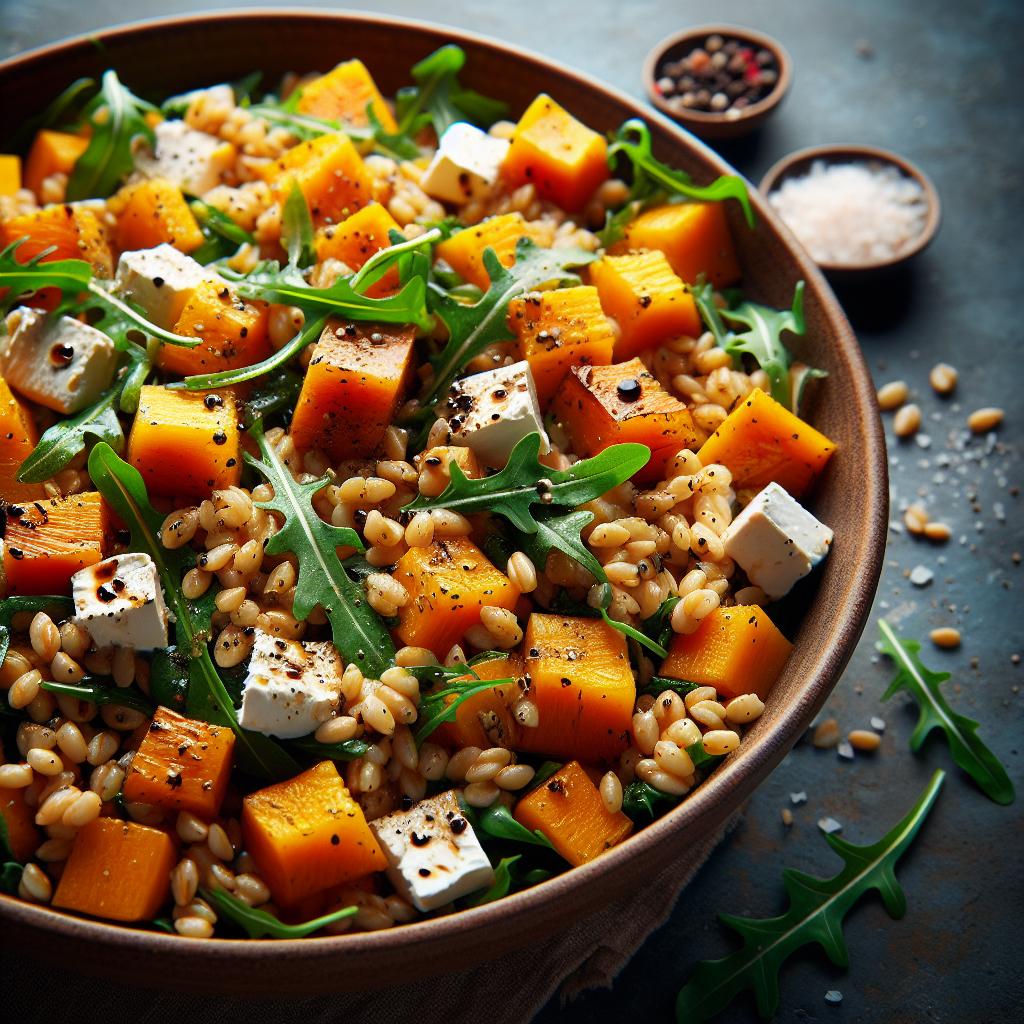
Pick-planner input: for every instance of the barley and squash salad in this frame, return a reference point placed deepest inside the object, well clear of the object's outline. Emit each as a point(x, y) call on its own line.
point(394, 499)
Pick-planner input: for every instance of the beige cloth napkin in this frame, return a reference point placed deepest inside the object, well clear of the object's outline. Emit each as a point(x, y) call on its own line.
point(509, 991)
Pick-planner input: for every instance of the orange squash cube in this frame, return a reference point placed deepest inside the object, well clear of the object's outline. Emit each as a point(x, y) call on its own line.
point(185, 443)
point(52, 153)
point(48, 541)
point(74, 233)
point(18, 818)
point(330, 174)
point(10, 174)
point(356, 239)
point(486, 719)
point(559, 329)
point(596, 412)
point(736, 650)
point(308, 834)
point(649, 302)
point(449, 582)
point(182, 764)
point(694, 237)
point(18, 437)
point(344, 94)
point(561, 156)
point(353, 385)
point(234, 332)
point(117, 870)
point(464, 251)
point(154, 212)
point(583, 686)
point(761, 441)
point(569, 810)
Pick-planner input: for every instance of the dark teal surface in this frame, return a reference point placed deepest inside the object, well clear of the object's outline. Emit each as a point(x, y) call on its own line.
point(942, 87)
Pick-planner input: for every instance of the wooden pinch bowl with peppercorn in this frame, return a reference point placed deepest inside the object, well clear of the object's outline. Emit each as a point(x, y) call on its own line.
point(719, 81)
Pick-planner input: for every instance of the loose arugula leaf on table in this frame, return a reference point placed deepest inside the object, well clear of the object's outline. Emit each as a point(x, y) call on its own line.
point(117, 118)
point(968, 751)
point(501, 885)
point(817, 907)
point(124, 491)
point(94, 692)
point(15, 605)
point(472, 328)
point(260, 924)
point(297, 229)
point(357, 630)
point(496, 822)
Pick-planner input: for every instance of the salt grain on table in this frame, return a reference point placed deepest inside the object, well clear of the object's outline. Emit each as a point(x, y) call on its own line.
point(921, 576)
point(829, 825)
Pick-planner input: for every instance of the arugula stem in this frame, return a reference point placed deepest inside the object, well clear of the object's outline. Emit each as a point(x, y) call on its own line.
point(147, 326)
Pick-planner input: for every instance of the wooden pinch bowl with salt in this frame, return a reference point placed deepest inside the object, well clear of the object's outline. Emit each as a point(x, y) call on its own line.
point(791, 182)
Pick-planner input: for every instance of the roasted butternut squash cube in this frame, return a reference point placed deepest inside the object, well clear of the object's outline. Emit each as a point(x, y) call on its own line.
point(559, 329)
point(117, 870)
point(486, 719)
point(356, 239)
point(761, 441)
point(647, 300)
point(355, 381)
point(308, 834)
point(154, 212)
point(48, 540)
point(604, 405)
point(561, 156)
point(736, 650)
point(18, 437)
point(73, 232)
point(185, 443)
point(330, 174)
point(435, 466)
point(52, 153)
point(344, 94)
point(583, 686)
point(464, 251)
point(569, 810)
point(694, 237)
point(234, 332)
point(10, 174)
point(449, 582)
point(182, 764)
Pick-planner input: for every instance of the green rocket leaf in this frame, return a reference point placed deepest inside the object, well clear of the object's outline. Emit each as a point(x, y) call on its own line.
point(260, 924)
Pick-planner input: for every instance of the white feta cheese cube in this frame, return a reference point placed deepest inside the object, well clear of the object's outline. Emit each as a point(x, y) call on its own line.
point(160, 280)
point(465, 166)
point(195, 161)
point(776, 541)
point(120, 603)
point(494, 411)
point(58, 362)
point(291, 687)
point(433, 853)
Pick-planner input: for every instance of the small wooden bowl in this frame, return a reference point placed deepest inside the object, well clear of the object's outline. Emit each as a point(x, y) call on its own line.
point(798, 163)
point(727, 124)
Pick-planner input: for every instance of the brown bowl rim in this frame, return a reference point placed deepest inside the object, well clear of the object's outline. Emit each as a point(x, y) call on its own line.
point(483, 932)
point(836, 152)
point(707, 119)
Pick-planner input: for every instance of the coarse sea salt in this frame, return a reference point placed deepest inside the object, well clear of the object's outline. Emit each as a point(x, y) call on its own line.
point(851, 213)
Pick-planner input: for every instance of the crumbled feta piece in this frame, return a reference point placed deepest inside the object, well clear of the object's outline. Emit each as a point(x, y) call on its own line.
point(120, 603)
point(291, 687)
point(195, 161)
point(58, 362)
point(433, 853)
point(494, 411)
point(465, 166)
point(160, 280)
point(776, 541)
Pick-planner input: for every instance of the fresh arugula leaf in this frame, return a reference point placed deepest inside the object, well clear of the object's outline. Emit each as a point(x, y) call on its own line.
point(642, 802)
point(659, 626)
point(561, 530)
point(222, 235)
point(817, 907)
point(94, 692)
point(604, 603)
point(659, 684)
point(501, 885)
point(163, 924)
point(15, 605)
point(297, 229)
point(651, 176)
point(544, 772)
point(305, 126)
point(347, 750)
point(260, 924)
point(124, 491)
point(275, 392)
point(704, 296)
point(435, 708)
point(472, 328)
point(168, 679)
point(357, 630)
point(117, 118)
point(10, 877)
point(800, 375)
point(496, 822)
point(968, 751)
point(394, 144)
